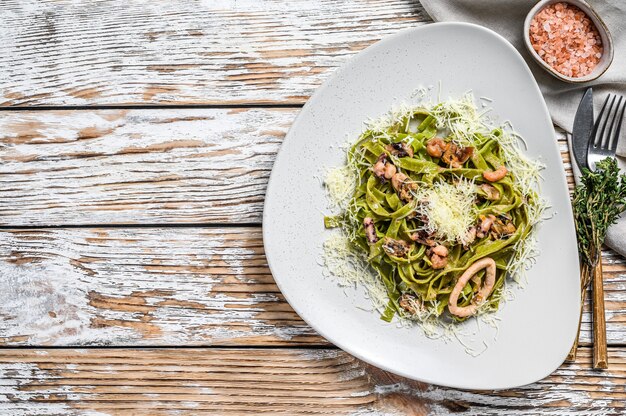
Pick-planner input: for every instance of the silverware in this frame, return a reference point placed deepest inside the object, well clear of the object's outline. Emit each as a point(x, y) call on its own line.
point(603, 140)
point(602, 144)
point(581, 132)
point(583, 125)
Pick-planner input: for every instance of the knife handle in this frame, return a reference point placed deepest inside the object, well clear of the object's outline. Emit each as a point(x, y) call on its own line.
point(600, 359)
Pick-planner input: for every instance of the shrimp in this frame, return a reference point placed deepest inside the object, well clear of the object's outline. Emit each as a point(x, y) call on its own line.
point(383, 169)
point(370, 230)
point(403, 186)
point(470, 236)
point(396, 248)
point(397, 180)
point(400, 149)
point(435, 147)
point(390, 170)
point(496, 175)
point(490, 279)
point(440, 250)
point(439, 256)
point(485, 225)
point(379, 166)
point(438, 262)
point(455, 155)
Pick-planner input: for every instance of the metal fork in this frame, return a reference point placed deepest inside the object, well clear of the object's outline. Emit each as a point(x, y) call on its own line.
point(605, 135)
point(602, 144)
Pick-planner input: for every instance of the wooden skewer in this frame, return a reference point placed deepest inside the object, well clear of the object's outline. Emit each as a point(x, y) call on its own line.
point(600, 359)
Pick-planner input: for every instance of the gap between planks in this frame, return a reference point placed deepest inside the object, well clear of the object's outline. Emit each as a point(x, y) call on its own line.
point(242, 105)
point(132, 225)
point(310, 346)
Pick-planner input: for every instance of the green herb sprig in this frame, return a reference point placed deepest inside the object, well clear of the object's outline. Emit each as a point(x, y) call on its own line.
point(598, 202)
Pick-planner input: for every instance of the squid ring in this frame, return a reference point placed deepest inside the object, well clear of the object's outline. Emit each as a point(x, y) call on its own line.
point(490, 279)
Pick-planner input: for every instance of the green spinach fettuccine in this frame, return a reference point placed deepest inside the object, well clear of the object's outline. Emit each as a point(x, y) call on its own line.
point(436, 190)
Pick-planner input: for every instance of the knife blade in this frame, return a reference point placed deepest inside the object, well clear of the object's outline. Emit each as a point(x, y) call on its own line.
point(583, 125)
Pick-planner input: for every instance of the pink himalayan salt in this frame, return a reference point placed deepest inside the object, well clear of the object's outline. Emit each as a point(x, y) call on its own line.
point(566, 39)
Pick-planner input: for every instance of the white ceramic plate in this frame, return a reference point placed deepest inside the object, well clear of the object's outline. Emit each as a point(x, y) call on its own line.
point(538, 327)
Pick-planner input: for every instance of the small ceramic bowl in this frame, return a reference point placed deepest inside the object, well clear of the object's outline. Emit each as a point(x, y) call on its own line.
point(607, 41)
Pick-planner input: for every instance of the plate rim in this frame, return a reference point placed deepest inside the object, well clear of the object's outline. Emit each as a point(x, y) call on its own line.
point(318, 92)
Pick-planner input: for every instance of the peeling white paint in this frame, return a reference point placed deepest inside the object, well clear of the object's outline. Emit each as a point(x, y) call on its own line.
point(229, 51)
point(39, 409)
point(116, 166)
point(129, 278)
point(544, 399)
point(280, 46)
point(28, 295)
point(23, 374)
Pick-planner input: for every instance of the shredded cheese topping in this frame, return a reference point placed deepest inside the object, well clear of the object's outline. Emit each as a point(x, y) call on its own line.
point(342, 262)
point(449, 208)
point(340, 183)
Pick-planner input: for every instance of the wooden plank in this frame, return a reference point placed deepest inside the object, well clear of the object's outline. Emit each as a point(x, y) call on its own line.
point(138, 166)
point(277, 381)
point(164, 286)
point(170, 287)
point(141, 166)
point(180, 52)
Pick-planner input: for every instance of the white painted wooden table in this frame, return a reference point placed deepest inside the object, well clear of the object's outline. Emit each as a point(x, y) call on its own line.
point(136, 139)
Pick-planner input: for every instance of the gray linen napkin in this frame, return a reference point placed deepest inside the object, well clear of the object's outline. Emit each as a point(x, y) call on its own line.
point(507, 18)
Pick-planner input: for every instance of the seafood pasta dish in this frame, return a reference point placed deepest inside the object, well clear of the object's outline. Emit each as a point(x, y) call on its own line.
point(440, 205)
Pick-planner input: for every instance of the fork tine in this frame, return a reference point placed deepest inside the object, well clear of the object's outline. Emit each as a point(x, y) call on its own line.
point(606, 140)
point(615, 138)
point(601, 137)
point(594, 132)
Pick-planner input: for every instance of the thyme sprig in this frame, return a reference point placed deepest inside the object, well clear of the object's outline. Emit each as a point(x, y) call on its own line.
point(598, 202)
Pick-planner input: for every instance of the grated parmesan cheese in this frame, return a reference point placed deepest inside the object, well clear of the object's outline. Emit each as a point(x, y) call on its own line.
point(450, 209)
point(340, 183)
point(350, 268)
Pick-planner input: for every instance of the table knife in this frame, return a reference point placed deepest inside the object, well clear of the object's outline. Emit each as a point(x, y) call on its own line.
point(583, 124)
point(581, 133)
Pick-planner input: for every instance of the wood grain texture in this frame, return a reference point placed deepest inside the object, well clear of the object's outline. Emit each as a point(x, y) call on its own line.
point(164, 286)
point(170, 287)
point(600, 355)
point(182, 52)
point(279, 381)
point(160, 286)
point(141, 166)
